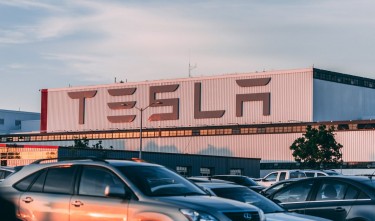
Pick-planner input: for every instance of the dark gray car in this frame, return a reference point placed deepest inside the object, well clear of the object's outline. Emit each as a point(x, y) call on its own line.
point(340, 198)
point(243, 194)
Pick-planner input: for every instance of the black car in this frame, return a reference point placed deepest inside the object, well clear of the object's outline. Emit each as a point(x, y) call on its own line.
point(241, 180)
point(201, 179)
point(349, 198)
point(273, 188)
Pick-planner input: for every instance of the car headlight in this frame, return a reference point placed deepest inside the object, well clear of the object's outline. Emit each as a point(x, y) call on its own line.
point(193, 215)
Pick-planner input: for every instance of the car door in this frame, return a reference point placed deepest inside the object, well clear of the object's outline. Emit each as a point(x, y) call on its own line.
point(332, 200)
point(91, 201)
point(49, 195)
point(294, 196)
point(269, 179)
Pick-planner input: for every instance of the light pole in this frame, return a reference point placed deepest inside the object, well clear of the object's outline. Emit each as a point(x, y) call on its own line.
point(141, 126)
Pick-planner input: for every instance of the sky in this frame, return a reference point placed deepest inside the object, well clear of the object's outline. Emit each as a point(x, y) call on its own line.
point(58, 44)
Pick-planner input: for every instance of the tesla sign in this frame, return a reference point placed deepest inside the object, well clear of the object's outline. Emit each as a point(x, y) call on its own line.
point(174, 103)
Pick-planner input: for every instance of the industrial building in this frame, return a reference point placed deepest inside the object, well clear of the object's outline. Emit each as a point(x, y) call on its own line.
point(244, 115)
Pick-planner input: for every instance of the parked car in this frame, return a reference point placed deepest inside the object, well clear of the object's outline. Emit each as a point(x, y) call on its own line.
point(337, 198)
point(271, 210)
point(201, 179)
point(277, 176)
point(241, 180)
point(269, 190)
point(316, 173)
point(96, 189)
point(7, 171)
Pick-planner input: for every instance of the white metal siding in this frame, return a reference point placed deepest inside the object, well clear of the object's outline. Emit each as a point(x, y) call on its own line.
point(357, 145)
point(291, 100)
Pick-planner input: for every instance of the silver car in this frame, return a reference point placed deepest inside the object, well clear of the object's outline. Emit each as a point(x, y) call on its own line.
point(94, 189)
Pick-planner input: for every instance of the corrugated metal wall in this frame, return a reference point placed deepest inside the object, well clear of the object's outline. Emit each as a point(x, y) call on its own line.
point(219, 165)
point(290, 92)
point(358, 145)
point(337, 102)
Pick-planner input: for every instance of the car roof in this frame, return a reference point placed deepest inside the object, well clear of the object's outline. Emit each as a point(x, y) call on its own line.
point(39, 165)
point(346, 177)
point(220, 185)
point(207, 180)
point(92, 160)
point(313, 171)
point(277, 171)
point(228, 175)
point(12, 169)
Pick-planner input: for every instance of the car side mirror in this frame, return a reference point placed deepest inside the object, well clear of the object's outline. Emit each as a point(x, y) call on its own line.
point(116, 191)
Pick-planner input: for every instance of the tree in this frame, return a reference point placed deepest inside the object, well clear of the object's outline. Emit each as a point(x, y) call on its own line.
point(317, 148)
point(78, 143)
point(84, 144)
point(98, 145)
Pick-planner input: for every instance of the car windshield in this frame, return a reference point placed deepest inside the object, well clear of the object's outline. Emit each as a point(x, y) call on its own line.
point(159, 181)
point(246, 195)
point(248, 181)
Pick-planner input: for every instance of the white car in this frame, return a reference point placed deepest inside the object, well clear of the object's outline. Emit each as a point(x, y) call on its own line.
point(277, 176)
point(316, 173)
point(281, 175)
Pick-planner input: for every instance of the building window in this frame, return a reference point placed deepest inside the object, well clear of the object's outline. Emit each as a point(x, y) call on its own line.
point(236, 171)
point(17, 123)
point(206, 171)
point(184, 170)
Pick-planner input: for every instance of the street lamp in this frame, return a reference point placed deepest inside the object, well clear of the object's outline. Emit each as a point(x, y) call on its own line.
point(141, 125)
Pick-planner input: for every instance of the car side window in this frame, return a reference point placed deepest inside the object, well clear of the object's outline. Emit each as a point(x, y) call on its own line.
point(296, 192)
point(310, 174)
point(60, 180)
point(282, 176)
point(321, 174)
point(363, 195)
point(351, 193)
point(329, 190)
point(271, 177)
point(2, 174)
point(39, 182)
point(296, 175)
point(24, 184)
point(95, 180)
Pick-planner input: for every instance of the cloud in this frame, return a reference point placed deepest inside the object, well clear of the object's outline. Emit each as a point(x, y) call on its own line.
point(92, 42)
point(12, 37)
point(30, 4)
